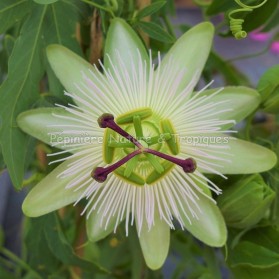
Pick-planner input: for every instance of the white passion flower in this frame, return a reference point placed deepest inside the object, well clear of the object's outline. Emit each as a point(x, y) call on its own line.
point(140, 141)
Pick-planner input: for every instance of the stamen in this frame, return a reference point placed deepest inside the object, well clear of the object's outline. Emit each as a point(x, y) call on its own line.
point(156, 139)
point(131, 165)
point(100, 174)
point(108, 151)
point(167, 127)
point(116, 144)
point(106, 120)
point(155, 163)
point(189, 165)
point(138, 127)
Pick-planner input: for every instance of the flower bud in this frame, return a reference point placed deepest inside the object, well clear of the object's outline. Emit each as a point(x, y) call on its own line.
point(268, 88)
point(246, 202)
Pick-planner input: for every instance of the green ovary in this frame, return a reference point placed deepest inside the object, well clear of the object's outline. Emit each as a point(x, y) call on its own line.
point(152, 132)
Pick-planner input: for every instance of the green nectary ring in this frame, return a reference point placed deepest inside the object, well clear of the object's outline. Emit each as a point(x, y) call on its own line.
point(144, 142)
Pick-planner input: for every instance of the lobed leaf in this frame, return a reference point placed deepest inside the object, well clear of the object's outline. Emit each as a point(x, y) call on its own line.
point(155, 31)
point(151, 9)
point(19, 91)
point(260, 15)
point(62, 249)
point(46, 24)
point(45, 2)
point(12, 11)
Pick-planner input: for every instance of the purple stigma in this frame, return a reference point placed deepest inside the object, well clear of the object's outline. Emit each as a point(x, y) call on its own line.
point(100, 174)
point(106, 120)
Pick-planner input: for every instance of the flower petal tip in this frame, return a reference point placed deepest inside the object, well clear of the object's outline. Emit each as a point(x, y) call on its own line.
point(204, 26)
point(55, 49)
point(27, 209)
point(273, 160)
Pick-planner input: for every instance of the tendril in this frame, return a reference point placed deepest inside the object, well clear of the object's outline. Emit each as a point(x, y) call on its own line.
point(236, 23)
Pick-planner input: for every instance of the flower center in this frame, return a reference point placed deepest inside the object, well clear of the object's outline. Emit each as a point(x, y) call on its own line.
point(139, 144)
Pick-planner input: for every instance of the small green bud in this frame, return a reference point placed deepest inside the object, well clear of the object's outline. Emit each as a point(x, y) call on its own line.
point(246, 202)
point(271, 105)
point(268, 88)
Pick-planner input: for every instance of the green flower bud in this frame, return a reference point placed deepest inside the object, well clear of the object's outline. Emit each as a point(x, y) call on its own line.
point(271, 105)
point(268, 88)
point(246, 202)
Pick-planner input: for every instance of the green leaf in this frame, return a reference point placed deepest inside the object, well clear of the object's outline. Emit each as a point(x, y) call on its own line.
point(9, 43)
point(259, 16)
point(151, 9)
point(12, 11)
point(252, 260)
point(2, 236)
point(5, 274)
point(155, 31)
point(218, 6)
point(60, 30)
point(247, 271)
point(35, 242)
point(2, 164)
point(268, 87)
point(268, 82)
point(254, 255)
point(62, 249)
point(55, 86)
point(272, 103)
point(19, 91)
point(272, 22)
point(267, 237)
point(45, 2)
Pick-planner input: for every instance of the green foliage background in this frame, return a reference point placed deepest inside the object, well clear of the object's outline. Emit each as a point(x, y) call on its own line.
point(55, 246)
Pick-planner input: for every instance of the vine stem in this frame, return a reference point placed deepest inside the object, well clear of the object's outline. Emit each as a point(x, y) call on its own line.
point(247, 56)
point(168, 25)
point(248, 126)
point(99, 7)
point(212, 264)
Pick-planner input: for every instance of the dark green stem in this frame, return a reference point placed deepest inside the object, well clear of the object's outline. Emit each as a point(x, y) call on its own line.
point(168, 25)
point(248, 126)
point(137, 266)
point(94, 4)
point(247, 56)
point(211, 262)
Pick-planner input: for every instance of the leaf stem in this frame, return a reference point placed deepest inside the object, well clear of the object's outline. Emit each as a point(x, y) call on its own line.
point(248, 126)
point(168, 25)
point(247, 56)
point(137, 266)
point(211, 262)
point(99, 7)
